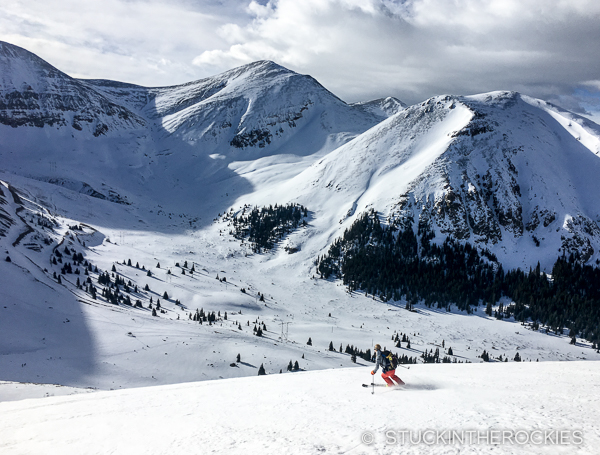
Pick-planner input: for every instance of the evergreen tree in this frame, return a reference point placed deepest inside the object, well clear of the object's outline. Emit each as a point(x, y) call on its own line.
point(290, 366)
point(488, 308)
point(261, 370)
point(517, 357)
point(309, 342)
point(238, 358)
point(331, 348)
point(296, 366)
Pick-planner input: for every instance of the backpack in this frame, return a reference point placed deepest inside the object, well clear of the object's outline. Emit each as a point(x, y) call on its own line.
point(390, 359)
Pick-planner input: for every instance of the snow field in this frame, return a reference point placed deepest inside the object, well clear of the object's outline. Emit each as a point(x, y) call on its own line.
point(320, 412)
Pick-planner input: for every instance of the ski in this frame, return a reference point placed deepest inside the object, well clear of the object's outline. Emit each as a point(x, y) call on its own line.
point(383, 385)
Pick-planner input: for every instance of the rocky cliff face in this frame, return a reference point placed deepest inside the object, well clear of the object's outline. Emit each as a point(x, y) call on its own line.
point(34, 93)
point(511, 175)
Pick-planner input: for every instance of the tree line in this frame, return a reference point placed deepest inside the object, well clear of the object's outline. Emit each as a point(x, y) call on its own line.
point(392, 262)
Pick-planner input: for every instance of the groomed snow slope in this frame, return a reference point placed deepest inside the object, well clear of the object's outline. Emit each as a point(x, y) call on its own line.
point(324, 412)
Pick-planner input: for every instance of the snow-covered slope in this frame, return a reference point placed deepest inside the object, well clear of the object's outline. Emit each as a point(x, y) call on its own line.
point(112, 140)
point(35, 94)
point(383, 107)
point(533, 408)
point(500, 170)
point(254, 110)
point(58, 333)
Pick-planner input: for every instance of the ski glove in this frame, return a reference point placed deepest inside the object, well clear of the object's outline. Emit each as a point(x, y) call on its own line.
point(372, 372)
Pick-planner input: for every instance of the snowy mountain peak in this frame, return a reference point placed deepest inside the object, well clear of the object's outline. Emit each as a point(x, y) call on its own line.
point(256, 107)
point(259, 68)
point(34, 93)
point(383, 107)
point(499, 170)
point(14, 57)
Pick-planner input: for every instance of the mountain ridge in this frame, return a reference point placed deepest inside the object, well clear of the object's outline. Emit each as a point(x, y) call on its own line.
point(464, 179)
point(34, 93)
point(461, 178)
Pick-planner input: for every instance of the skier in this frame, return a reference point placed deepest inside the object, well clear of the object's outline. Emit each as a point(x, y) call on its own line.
point(389, 372)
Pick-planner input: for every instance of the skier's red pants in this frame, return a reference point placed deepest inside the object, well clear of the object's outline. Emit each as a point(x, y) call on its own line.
point(389, 375)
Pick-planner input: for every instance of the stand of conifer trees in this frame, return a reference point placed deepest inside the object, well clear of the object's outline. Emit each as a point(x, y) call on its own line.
point(266, 226)
point(392, 262)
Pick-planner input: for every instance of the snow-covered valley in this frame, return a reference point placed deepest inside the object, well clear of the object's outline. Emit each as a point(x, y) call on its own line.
point(59, 334)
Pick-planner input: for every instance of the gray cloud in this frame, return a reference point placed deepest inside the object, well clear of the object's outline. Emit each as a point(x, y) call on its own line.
point(418, 48)
point(142, 41)
point(359, 49)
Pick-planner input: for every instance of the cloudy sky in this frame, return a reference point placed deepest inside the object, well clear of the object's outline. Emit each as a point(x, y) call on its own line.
point(359, 49)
